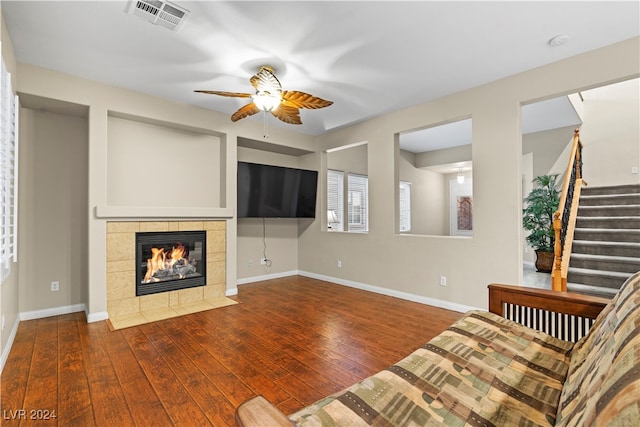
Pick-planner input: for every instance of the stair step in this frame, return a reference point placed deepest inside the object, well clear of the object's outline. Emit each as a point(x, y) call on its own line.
point(613, 189)
point(606, 246)
point(585, 276)
point(592, 290)
point(622, 249)
point(607, 235)
point(609, 210)
point(608, 200)
point(605, 263)
point(622, 222)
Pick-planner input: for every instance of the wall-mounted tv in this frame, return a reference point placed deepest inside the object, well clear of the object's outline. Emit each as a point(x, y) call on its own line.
point(266, 191)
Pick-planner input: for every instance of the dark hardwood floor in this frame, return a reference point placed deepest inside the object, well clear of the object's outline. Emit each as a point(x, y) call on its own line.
point(293, 340)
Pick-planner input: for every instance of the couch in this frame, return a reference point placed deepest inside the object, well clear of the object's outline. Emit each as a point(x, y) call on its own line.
point(538, 357)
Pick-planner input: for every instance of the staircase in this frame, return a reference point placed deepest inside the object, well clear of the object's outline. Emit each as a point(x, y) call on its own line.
point(606, 245)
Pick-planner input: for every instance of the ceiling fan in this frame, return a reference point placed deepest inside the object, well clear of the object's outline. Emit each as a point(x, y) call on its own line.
point(269, 96)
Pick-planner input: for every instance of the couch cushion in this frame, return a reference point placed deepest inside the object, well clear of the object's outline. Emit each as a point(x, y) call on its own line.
point(483, 370)
point(603, 384)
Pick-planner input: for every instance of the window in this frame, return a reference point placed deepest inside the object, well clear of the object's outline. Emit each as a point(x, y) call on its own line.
point(335, 197)
point(405, 206)
point(357, 213)
point(8, 174)
point(429, 158)
point(357, 203)
point(347, 188)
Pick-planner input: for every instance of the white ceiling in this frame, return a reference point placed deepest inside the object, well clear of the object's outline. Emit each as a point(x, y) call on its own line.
point(370, 58)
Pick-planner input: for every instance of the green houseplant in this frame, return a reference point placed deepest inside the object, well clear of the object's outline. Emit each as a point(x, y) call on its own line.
point(540, 205)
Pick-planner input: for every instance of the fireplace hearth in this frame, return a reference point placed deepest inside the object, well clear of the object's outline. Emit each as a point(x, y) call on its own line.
point(170, 260)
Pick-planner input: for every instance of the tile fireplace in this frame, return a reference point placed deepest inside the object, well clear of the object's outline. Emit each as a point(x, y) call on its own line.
point(122, 269)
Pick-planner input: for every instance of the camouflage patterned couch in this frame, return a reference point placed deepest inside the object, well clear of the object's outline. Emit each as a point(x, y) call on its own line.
point(488, 371)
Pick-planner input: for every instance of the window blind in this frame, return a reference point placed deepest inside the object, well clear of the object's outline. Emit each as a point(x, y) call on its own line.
point(405, 206)
point(335, 197)
point(357, 203)
point(8, 173)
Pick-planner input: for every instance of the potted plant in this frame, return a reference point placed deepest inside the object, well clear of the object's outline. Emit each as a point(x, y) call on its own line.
point(540, 205)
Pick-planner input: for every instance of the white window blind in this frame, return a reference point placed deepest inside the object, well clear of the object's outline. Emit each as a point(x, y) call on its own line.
point(8, 174)
point(405, 206)
point(335, 197)
point(357, 203)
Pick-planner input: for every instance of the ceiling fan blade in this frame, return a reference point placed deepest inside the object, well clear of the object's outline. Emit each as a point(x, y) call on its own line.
point(231, 94)
point(287, 114)
point(266, 81)
point(246, 111)
point(297, 99)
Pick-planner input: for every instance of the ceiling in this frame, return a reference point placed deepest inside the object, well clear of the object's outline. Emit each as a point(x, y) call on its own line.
point(370, 58)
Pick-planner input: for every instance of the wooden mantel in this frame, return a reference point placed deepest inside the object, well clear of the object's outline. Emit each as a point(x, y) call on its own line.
point(143, 212)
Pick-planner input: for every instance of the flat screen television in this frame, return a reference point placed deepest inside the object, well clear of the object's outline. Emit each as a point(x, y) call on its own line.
point(266, 191)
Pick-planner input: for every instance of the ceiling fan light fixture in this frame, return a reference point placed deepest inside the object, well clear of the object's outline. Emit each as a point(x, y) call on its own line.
point(269, 97)
point(266, 101)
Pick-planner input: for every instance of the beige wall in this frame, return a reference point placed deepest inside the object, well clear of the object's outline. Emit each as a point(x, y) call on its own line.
point(53, 165)
point(611, 134)
point(413, 264)
point(280, 245)
point(153, 165)
point(428, 198)
point(349, 160)
point(547, 146)
point(444, 156)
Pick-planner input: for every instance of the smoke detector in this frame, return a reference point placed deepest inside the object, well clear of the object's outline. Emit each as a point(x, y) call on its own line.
point(158, 12)
point(558, 40)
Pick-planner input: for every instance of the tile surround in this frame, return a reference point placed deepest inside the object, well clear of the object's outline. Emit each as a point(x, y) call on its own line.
point(126, 309)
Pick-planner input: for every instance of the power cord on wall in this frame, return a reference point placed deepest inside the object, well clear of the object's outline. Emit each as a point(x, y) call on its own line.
point(267, 261)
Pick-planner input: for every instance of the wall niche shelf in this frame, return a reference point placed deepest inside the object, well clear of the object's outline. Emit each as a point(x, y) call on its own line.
point(140, 212)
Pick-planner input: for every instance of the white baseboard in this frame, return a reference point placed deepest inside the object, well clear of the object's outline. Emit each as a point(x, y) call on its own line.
point(7, 348)
point(390, 292)
point(96, 317)
point(48, 312)
point(231, 292)
point(267, 277)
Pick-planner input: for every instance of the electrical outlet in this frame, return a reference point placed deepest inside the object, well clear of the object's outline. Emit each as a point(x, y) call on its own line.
point(339, 264)
point(634, 170)
point(3, 322)
point(443, 280)
point(55, 286)
point(263, 261)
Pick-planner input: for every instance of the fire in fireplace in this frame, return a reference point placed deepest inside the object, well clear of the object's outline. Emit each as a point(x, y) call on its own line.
point(167, 261)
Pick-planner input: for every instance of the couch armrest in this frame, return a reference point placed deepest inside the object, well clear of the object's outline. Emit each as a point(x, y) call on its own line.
point(558, 302)
point(564, 315)
point(259, 412)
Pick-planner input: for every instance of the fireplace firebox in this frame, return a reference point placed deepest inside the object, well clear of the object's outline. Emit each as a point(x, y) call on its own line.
point(170, 260)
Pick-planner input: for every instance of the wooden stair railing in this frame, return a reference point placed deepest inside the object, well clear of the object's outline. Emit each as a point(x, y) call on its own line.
point(564, 221)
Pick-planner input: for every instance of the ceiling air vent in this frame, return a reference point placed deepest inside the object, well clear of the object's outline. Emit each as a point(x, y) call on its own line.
point(158, 12)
